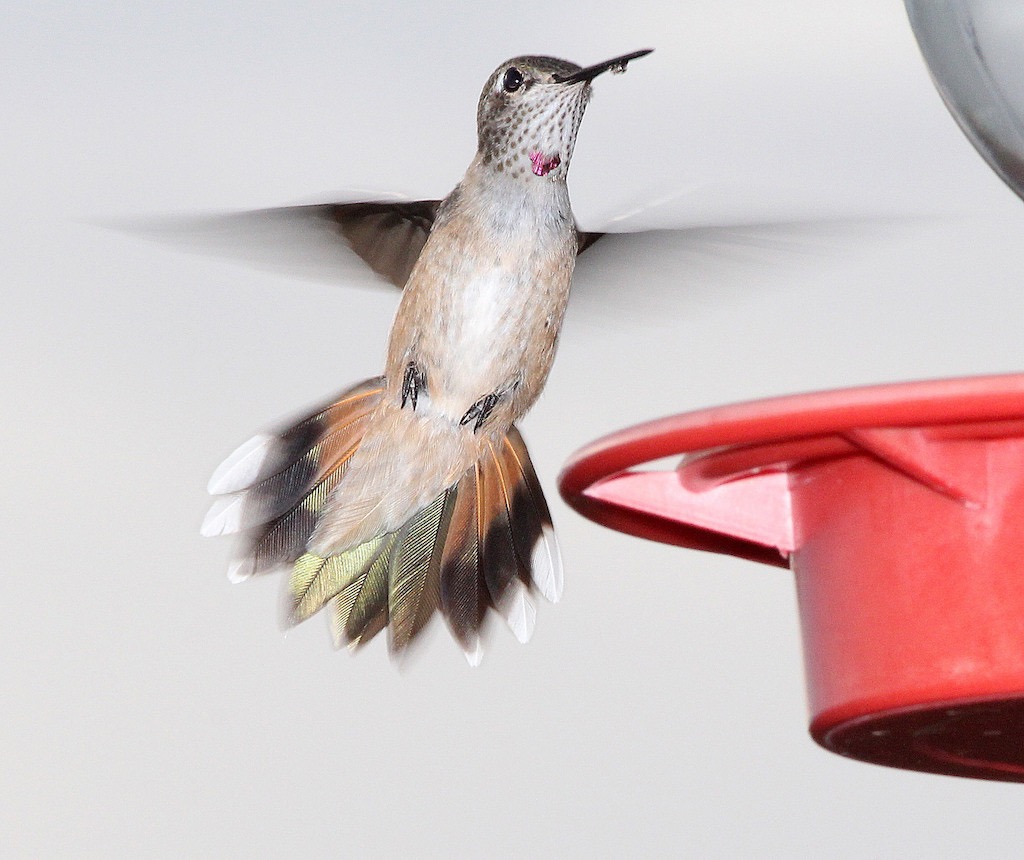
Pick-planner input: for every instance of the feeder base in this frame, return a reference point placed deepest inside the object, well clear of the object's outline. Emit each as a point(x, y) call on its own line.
point(980, 739)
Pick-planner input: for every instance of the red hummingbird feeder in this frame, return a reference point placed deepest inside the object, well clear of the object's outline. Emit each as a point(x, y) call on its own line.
point(900, 511)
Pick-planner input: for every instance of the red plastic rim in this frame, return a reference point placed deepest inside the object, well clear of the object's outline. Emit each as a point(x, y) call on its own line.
point(757, 432)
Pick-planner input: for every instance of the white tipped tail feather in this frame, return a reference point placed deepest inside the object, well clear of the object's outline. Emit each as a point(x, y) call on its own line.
point(484, 542)
point(520, 613)
point(242, 468)
point(547, 565)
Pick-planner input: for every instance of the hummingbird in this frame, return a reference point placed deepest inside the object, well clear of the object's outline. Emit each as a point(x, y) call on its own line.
point(413, 492)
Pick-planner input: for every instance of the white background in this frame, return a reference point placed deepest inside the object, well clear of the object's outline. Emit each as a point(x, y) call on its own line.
point(151, 709)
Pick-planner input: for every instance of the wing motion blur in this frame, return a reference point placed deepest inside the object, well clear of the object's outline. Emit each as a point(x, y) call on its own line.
point(319, 241)
point(367, 242)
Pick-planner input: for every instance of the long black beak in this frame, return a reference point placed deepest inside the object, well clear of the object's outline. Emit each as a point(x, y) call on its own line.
point(591, 72)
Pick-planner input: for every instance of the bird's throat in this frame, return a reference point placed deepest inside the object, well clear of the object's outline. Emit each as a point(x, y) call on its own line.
point(544, 164)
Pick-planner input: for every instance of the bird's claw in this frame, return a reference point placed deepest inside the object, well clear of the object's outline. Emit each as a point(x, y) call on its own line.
point(414, 381)
point(480, 410)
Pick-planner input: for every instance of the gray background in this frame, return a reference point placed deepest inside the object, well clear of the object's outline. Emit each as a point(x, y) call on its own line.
point(151, 709)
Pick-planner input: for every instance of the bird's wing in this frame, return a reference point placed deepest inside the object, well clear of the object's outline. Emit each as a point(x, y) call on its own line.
point(388, 237)
point(314, 241)
point(658, 273)
point(344, 242)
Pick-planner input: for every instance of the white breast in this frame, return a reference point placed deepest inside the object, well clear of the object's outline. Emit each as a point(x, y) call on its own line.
point(484, 328)
point(484, 313)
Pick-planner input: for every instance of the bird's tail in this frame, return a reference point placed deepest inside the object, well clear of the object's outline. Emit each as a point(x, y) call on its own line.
point(484, 543)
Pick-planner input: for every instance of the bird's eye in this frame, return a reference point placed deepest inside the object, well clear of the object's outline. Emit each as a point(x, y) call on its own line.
point(513, 80)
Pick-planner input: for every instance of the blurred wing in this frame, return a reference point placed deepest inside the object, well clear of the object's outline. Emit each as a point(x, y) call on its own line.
point(327, 242)
point(680, 266)
point(319, 242)
point(387, 236)
point(343, 242)
point(585, 238)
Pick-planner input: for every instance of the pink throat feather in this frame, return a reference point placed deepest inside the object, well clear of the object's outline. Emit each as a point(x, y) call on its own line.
point(543, 165)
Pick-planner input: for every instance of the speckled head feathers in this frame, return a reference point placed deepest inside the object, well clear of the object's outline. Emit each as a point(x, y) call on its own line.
point(527, 118)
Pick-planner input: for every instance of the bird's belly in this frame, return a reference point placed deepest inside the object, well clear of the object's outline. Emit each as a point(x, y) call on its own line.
point(485, 323)
point(490, 334)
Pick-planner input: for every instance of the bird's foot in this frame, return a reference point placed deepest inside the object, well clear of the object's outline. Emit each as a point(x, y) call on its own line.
point(414, 382)
point(480, 410)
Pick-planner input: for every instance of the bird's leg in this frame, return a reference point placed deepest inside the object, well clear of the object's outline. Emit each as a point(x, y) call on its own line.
point(481, 410)
point(414, 382)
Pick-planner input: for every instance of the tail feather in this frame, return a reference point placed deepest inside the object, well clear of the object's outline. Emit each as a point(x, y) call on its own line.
point(415, 569)
point(526, 518)
point(545, 559)
point(265, 456)
point(527, 521)
point(484, 542)
point(519, 611)
point(279, 487)
point(314, 580)
point(278, 494)
point(464, 598)
point(361, 608)
point(501, 563)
